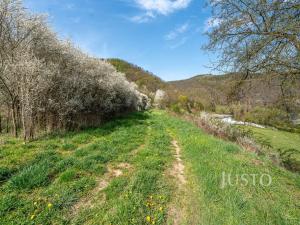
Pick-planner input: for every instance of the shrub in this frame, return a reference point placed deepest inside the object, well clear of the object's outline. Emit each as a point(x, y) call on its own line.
point(62, 87)
point(176, 108)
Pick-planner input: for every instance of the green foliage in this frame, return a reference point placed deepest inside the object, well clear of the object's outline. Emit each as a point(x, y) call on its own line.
point(5, 173)
point(136, 74)
point(58, 186)
point(176, 108)
point(282, 143)
point(8, 203)
point(68, 175)
point(68, 146)
point(268, 116)
point(31, 177)
point(206, 158)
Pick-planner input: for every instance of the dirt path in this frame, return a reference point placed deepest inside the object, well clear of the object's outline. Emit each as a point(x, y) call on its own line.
point(176, 212)
point(113, 172)
point(102, 183)
point(178, 167)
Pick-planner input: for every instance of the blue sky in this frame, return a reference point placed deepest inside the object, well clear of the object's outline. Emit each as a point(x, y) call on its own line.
point(162, 36)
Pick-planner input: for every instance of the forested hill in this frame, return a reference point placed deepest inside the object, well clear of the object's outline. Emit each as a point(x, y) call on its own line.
point(258, 90)
point(144, 79)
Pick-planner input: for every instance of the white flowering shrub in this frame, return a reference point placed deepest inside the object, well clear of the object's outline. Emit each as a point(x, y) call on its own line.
point(48, 83)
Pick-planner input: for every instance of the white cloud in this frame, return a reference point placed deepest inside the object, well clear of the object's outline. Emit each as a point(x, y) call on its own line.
point(181, 42)
point(163, 6)
point(176, 32)
point(211, 23)
point(143, 18)
point(153, 8)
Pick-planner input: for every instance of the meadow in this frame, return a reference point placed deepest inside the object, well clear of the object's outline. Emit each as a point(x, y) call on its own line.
point(125, 173)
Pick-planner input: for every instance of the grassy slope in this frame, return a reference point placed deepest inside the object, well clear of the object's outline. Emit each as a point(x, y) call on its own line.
point(206, 158)
point(277, 139)
point(43, 180)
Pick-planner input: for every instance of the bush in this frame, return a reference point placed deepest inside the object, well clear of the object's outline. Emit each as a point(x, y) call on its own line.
point(62, 87)
point(176, 108)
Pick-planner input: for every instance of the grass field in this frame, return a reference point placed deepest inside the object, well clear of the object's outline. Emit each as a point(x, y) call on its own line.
point(123, 173)
point(278, 141)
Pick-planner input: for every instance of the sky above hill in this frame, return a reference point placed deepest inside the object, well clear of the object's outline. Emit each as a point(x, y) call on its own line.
point(162, 36)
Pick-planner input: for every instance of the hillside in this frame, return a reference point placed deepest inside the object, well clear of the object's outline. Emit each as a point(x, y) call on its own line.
point(146, 80)
point(260, 90)
point(260, 99)
point(146, 168)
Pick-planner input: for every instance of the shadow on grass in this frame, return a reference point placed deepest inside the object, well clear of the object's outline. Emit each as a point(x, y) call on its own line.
point(108, 127)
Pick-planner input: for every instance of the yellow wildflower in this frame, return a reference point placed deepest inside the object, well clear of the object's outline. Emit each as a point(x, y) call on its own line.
point(32, 217)
point(50, 205)
point(161, 209)
point(148, 218)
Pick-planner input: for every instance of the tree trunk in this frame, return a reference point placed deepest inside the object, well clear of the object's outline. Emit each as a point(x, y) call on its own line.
point(0, 124)
point(14, 120)
point(283, 96)
point(7, 122)
point(23, 123)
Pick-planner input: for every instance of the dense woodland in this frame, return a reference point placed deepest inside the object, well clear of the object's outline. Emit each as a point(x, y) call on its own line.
point(48, 84)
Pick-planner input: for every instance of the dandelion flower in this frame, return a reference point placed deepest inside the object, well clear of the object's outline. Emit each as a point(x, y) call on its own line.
point(148, 218)
point(50, 205)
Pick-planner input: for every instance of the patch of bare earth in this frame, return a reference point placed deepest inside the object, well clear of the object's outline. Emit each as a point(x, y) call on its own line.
point(112, 172)
point(178, 167)
point(176, 213)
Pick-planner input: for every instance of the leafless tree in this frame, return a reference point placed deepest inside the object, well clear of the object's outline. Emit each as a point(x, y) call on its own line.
point(257, 37)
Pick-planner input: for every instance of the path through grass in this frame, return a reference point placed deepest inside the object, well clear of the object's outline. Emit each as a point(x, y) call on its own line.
point(121, 174)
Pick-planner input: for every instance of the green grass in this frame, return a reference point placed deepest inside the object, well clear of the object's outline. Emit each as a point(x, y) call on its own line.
point(282, 143)
point(276, 138)
point(207, 158)
point(41, 182)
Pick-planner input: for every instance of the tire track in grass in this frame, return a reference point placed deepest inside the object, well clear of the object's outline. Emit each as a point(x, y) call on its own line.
point(102, 183)
point(113, 172)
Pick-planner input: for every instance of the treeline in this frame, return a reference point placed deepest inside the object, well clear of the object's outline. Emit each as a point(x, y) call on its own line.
point(48, 84)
